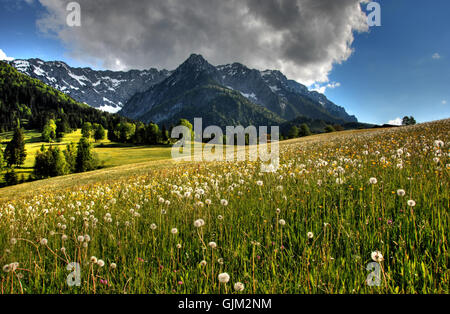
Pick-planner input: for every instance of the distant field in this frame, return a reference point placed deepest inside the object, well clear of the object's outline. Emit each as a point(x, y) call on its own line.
point(110, 154)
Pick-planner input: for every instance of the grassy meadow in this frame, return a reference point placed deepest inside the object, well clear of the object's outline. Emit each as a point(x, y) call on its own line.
point(110, 154)
point(337, 203)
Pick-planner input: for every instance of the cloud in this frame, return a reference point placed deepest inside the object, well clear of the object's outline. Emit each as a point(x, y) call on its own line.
point(322, 88)
point(302, 38)
point(436, 56)
point(444, 102)
point(4, 57)
point(397, 121)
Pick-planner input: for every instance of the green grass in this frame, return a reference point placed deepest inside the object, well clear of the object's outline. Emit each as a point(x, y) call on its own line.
point(269, 251)
point(110, 154)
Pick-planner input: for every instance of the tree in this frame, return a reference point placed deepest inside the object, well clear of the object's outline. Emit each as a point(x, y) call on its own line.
point(85, 160)
point(99, 132)
point(124, 132)
point(186, 123)
point(2, 160)
point(86, 130)
point(408, 120)
point(62, 127)
point(293, 132)
point(153, 134)
point(11, 177)
point(50, 163)
point(164, 134)
point(304, 130)
point(15, 152)
point(329, 129)
point(70, 155)
point(49, 131)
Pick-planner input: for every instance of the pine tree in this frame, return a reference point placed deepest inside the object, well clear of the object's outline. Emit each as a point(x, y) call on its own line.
point(99, 132)
point(86, 130)
point(70, 155)
point(85, 160)
point(15, 152)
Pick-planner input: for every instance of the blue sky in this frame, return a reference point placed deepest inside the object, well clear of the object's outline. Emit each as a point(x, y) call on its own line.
point(401, 68)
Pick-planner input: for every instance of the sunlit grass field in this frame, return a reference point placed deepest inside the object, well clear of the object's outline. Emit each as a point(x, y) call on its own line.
point(110, 154)
point(338, 202)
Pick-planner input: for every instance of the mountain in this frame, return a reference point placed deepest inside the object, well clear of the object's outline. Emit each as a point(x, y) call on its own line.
point(222, 95)
point(32, 102)
point(105, 90)
point(229, 95)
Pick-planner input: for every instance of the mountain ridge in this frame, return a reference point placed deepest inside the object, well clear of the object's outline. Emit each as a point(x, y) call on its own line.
point(135, 93)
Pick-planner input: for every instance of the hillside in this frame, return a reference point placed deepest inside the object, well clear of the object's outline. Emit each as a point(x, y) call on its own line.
point(104, 90)
point(33, 103)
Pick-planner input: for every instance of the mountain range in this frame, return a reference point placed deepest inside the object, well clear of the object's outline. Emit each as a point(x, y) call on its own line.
point(222, 95)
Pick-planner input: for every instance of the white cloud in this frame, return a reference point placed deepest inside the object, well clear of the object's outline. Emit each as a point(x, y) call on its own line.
point(444, 102)
point(397, 121)
point(436, 56)
point(322, 88)
point(4, 57)
point(302, 38)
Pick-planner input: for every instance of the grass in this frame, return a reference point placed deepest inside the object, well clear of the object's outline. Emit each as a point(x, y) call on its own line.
point(311, 227)
point(110, 154)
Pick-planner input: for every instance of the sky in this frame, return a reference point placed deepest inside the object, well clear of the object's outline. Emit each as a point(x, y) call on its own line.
point(378, 73)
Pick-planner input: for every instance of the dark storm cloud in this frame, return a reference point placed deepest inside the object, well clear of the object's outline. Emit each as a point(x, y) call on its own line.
point(302, 38)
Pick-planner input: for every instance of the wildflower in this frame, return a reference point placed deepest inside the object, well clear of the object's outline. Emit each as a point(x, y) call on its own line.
point(224, 278)
point(63, 250)
point(411, 203)
point(13, 241)
point(278, 210)
point(220, 217)
point(174, 230)
point(7, 268)
point(44, 241)
point(220, 261)
point(203, 263)
point(208, 202)
point(100, 263)
point(113, 265)
point(401, 192)
point(259, 183)
point(153, 226)
point(310, 235)
point(80, 238)
point(373, 180)
point(239, 286)
point(282, 222)
point(199, 223)
point(377, 256)
point(339, 181)
point(178, 246)
point(93, 260)
point(224, 202)
point(213, 245)
point(87, 238)
point(438, 143)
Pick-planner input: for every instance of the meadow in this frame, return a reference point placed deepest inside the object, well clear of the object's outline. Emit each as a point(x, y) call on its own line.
point(337, 203)
point(110, 154)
